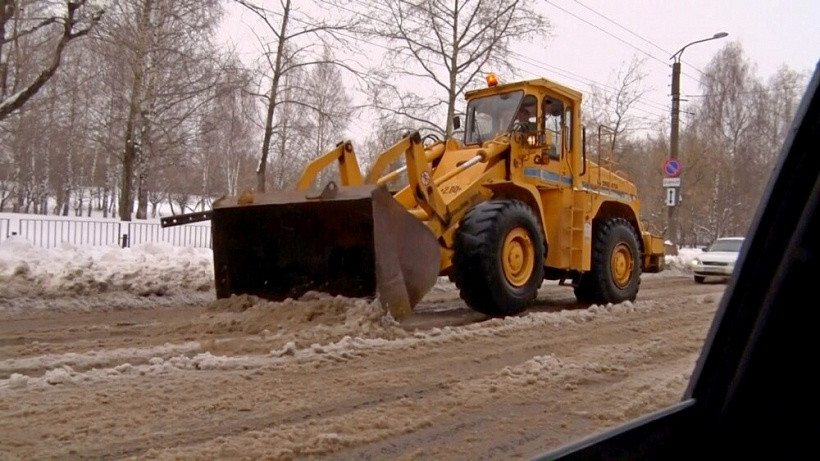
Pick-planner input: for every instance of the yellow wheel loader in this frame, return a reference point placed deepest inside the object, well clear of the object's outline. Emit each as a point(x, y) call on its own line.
point(514, 201)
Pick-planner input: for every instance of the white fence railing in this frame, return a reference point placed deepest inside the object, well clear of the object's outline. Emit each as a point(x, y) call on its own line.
point(188, 235)
point(51, 232)
point(4, 229)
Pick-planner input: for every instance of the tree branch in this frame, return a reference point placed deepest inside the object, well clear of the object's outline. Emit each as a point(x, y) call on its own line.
point(17, 100)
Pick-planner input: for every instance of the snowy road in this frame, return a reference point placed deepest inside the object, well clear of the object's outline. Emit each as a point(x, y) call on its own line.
point(333, 379)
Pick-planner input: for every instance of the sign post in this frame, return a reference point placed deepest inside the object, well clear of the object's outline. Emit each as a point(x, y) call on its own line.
point(671, 181)
point(672, 170)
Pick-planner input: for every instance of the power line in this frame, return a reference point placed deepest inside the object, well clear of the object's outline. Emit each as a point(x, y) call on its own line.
point(641, 50)
point(655, 114)
point(586, 81)
point(563, 72)
point(624, 28)
point(650, 55)
point(631, 32)
point(770, 90)
point(593, 84)
point(566, 73)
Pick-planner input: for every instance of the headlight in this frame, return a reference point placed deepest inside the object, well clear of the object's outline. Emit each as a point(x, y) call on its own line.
point(695, 262)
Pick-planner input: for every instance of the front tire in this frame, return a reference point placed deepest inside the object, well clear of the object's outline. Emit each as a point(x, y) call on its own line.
point(615, 272)
point(499, 257)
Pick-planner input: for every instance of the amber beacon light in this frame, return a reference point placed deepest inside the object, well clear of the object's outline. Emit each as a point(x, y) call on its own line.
point(492, 80)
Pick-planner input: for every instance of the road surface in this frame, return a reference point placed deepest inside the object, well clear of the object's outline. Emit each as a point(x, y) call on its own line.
point(333, 378)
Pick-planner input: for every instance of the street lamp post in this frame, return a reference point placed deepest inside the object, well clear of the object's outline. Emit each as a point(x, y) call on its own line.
point(672, 225)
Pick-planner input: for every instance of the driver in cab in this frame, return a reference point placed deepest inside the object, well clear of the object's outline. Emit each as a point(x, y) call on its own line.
point(525, 119)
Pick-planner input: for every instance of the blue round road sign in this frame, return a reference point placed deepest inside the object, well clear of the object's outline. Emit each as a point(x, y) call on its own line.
point(671, 168)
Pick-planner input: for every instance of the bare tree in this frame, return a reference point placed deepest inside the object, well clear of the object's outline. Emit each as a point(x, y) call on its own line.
point(77, 19)
point(777, 105)
point(291, 133)
point(165, 46)
point(225, 153)
point(729, 124)
point(446, 44)
point(732, 134)
point(299, 40)
point(613, 106)
point(732, 140)
point(34, 35)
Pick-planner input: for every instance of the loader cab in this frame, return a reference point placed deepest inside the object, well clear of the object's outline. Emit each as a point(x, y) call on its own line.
point(544, 119)
point(549, 144)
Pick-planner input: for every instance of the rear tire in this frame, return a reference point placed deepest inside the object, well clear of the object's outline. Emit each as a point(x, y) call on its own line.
point(700, 279)
point(499, 257)
point(615, 273)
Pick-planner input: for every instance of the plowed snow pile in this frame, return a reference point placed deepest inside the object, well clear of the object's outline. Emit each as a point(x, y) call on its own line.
point(314, 321)
point(89, 278)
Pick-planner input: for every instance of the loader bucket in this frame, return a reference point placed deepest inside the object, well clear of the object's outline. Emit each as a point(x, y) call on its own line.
point(356, 242)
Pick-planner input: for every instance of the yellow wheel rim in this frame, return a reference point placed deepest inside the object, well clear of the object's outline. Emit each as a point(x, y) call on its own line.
point(518, 257)
point(621, 264)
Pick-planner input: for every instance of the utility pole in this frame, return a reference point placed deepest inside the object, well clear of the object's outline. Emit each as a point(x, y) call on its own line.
point(672, 206)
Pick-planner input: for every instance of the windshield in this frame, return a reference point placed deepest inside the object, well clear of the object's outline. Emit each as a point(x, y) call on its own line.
point(490, 115)
point(726, 245)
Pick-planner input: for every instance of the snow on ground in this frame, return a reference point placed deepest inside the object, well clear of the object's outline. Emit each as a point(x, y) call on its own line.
point(682, 262)
point(320, 328)
point(316, 326)
point(152, 270)
point(113, 376)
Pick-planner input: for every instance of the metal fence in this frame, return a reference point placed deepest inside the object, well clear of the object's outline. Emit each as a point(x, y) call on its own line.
point(197, 236)
point(4, 229)
point(49, 233)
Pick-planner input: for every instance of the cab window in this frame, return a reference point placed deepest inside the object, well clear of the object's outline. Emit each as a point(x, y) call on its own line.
point(553, 125)
point(489, 115)
point(525, 119)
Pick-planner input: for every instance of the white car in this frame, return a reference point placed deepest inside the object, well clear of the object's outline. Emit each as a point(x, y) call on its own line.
point(718, 260)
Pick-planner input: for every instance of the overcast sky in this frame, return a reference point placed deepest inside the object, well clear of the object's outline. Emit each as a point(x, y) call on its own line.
point(772, 33)
point(593, 38)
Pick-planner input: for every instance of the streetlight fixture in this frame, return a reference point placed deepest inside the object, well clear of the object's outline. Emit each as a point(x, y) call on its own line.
point(672, 226)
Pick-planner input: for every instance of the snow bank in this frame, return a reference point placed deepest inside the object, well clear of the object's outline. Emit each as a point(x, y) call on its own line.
point(146, 269)
point(681, 263)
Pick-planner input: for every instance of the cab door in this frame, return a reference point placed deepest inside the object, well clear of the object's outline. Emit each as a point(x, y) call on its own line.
point(547, 166)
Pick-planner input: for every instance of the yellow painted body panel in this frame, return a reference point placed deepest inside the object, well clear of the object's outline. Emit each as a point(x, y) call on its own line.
point(545, 168)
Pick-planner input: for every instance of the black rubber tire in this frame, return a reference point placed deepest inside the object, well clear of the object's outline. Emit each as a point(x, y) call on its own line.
point(700, 279)
point(478, 270)
point(598, 285)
